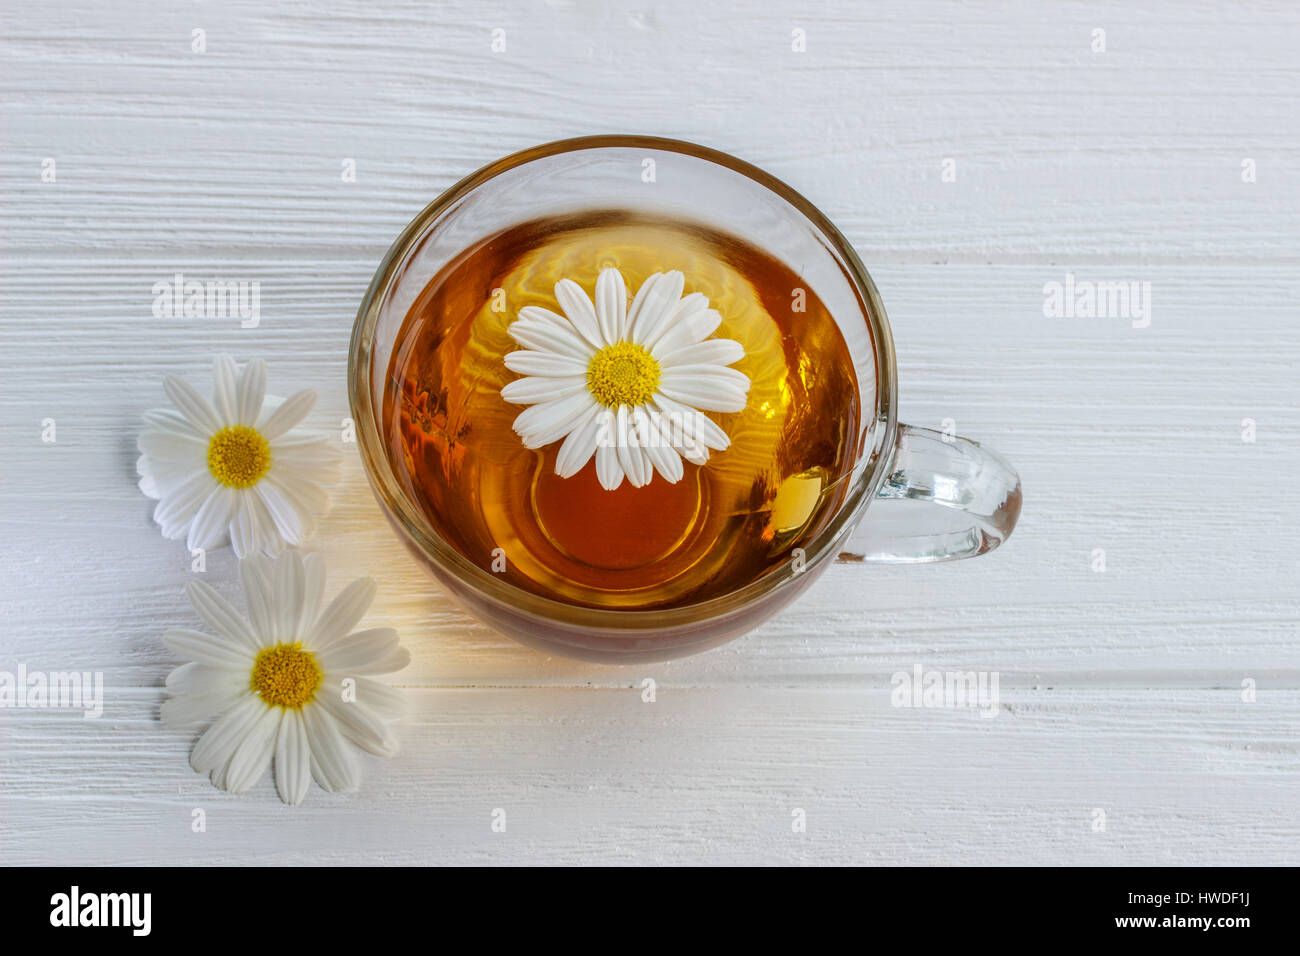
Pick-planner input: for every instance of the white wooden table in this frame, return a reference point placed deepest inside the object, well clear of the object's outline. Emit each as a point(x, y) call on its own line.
point(1121, 690)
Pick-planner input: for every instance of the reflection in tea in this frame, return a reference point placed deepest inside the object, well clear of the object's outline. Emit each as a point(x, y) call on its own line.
point(502, 505)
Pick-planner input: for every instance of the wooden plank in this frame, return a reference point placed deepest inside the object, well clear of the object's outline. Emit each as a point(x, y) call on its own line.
point(583, 776)
point(1134, 153)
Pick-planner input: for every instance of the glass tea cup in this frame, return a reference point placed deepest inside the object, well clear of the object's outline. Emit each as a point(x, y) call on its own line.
point(932, 496)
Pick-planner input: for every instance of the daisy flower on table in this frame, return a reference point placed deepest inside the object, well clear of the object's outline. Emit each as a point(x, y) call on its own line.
point(232, 468)
point(628, 384)
point(289, 682)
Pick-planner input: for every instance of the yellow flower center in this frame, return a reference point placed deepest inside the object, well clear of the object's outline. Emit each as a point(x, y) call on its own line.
point(238, 456)
point(285, 675)
point(623, 374)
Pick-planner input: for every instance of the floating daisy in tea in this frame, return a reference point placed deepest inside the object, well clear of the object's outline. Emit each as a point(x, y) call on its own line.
point(232, 468)
point(290, 682)
point(548, 526)
point(628, 384)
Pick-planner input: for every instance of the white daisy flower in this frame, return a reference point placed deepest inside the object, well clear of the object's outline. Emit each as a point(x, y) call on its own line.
point(231, 469)
point(625, 383)
point(290, 681)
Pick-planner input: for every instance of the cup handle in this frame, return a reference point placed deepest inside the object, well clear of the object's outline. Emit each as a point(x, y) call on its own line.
point(951, 499)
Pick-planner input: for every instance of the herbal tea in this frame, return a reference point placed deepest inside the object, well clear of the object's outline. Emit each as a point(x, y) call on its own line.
point(532, 385)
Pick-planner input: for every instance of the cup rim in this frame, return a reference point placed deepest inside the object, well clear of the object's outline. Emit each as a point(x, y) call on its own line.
point(406, 517)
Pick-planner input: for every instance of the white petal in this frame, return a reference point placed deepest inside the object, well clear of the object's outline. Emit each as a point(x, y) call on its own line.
point(638, 301)
point(342, 614)
point(544, 336)
point(190, 679)
point(160, 478)
point(252, 392)
point(681, 427)
point(529, 391)
point(398, 659)
point(272, 541)
point(196, 409)
point(706, 397)
point(351, 655)
point(174, 446)
point(252, 529)
point(306, 496)
point(695, 454)
point(168, 419)
point(657, 449)
point(286, 470)
point(218, 775)
point(290, 587)
point(360, 727)
point(196, 708)
point(666, 461)
point(292, 474)
point(292, 759)
point(147, 485)
point(251, 757)
point(651, 314)
point(687, 306)
point(291, 524)
point(219, 615)
point(589, 335)
point(579, 445)
point(677, 421)
point(306, 448)
point(178, 679)
point(332, 764)
point(313, 566)
point(631, 458)
point(212, 522)
point(687, 330)
point(177, 509)
point(255, 572)
point(324, 473)
point(708, 352)
point(714, 374)
point(611, 305)
point(218, 743)
point(225, 382)
point(307, 485)
point(245, 536)
point(539, 425)
point(705, 387)
point(544, 363)
point(206, 649)
point(608, 471)
point(380, 700)
point(292, 411)
point(645, 467)
point(578, 309)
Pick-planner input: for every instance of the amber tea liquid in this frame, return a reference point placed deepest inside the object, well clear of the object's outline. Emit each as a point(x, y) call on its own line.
point(723, 524)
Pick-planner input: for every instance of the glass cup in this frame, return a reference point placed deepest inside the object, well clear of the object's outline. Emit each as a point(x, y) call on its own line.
point(932, 496)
